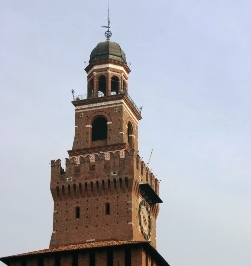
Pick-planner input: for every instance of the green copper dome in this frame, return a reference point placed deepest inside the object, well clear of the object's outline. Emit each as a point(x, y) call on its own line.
point(107, 50)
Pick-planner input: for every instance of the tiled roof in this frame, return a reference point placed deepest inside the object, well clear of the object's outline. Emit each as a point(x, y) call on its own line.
point(90, 245)
point(87, 245)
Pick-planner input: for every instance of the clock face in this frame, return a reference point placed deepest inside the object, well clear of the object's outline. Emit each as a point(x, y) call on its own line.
point(145, 219)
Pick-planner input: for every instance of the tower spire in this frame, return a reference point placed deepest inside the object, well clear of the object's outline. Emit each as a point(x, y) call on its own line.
point(108, 33)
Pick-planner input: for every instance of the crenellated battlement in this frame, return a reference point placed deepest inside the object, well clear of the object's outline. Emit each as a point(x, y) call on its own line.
point(101, 172)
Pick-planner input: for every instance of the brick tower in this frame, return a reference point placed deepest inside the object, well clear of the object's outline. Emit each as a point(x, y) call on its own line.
point(106, 200)
point(106, 191)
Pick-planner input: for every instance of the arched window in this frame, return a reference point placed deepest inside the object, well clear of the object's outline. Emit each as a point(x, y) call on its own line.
point(102, 86)
point(90, 89)
point(115, 85)
point(99, 128)
point(130, 134)
point(77, 212)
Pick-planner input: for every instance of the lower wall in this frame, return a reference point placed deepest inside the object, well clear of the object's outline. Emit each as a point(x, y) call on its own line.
point(109, 256)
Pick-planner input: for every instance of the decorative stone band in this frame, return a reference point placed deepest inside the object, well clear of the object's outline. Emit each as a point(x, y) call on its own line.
point(107, 156)
point(92, 156)
point(122, 153)
point(77, 159)
point(98, 104)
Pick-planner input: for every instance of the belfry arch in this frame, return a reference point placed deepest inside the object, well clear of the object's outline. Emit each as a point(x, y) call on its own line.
point(102, 86)
point(114, 85)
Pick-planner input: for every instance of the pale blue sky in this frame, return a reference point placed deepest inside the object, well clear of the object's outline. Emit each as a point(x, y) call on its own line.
point(190, 63)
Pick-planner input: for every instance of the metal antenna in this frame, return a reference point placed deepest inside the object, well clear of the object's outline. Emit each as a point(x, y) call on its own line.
point(108, 33)
point(72, 91)
point(150, 158)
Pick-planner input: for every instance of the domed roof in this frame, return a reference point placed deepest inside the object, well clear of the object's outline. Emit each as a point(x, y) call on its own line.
point(107, 50)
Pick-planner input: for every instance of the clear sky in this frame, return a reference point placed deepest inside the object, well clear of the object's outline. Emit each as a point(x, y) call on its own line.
point(190, 63)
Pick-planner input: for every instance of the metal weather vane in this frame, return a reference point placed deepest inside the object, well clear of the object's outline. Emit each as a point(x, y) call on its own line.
point(108, 33)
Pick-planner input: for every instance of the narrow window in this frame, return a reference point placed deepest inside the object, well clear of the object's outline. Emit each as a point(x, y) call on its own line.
point(91, 186)
point(120, 182)
point(130, 134)
point(102, 86)
point(109, 183)
point(85, 186)
point(69, 189)
point(115, 183)
point(63, 191)
point(77, 212)
point(103, 184)
point(114, 85)
point(99, 128)
point(74, 188)
point(107, 208)
point(57, 191)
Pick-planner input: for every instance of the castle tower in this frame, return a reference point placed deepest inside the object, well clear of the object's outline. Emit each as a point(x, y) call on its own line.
point(106, 191)
point(106, 200)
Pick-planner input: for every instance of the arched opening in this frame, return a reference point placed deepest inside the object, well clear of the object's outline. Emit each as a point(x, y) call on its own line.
point(99, 128)
point(114, 85)
point(90, 89)
point(130, 134)
point(102, 86)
